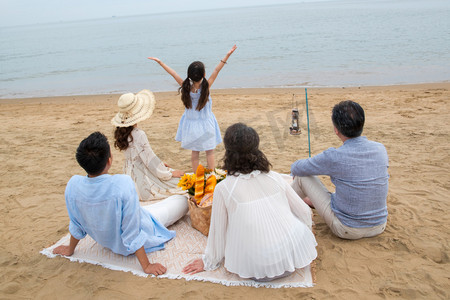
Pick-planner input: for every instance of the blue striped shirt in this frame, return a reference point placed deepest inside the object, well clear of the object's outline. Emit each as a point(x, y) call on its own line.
point(359, 171)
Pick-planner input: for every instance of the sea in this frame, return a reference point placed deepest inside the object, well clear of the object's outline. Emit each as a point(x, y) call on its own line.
point(309, 44)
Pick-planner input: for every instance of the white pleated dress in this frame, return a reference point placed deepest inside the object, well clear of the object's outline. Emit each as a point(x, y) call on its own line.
point(259, 226)
point(153, 179)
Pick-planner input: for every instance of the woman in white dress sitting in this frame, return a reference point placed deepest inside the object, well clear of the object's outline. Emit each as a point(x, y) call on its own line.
point(154, 179)
point(260, 227)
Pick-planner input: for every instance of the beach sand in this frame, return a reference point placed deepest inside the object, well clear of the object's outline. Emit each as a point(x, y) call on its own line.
point(409, 260)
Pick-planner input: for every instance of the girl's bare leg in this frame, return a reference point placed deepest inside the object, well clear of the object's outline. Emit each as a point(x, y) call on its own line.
point(210, 159)
point(195, 160)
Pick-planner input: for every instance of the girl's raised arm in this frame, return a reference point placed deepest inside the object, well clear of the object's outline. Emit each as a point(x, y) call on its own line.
point(168, 70)
point(219, 67)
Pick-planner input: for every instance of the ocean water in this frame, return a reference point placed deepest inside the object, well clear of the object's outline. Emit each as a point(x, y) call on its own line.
point(337, 43)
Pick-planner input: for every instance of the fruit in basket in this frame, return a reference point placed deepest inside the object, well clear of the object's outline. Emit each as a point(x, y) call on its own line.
point(210, 184)
point(199, 183)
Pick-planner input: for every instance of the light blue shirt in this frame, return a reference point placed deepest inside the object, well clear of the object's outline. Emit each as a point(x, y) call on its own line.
point(359, 171)
point(107, 208)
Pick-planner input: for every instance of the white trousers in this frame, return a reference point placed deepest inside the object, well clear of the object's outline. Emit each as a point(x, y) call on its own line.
point(169, 210)
point(313, 188)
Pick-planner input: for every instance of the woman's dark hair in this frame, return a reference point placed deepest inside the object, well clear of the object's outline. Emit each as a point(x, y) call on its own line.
point(121, 135)
point(242, 154)
point(196, 72)
point(348, 118)
point(93, 153)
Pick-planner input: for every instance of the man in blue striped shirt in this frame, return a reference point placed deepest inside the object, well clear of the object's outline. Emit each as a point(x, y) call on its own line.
point(359, 171)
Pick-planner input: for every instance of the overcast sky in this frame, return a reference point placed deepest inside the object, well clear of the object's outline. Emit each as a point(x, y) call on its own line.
point(21, 12)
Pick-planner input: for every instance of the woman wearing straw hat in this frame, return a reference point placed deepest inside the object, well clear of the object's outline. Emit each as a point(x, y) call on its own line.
point(154, 179)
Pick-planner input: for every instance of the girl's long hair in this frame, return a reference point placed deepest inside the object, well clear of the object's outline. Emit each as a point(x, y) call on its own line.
point(121, 135)
point(242, 154)
point(196, 72)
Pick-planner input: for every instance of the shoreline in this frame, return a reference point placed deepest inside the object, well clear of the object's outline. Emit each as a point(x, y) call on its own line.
point(276, 90)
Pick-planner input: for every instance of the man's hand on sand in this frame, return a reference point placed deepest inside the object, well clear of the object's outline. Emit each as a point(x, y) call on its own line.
point(155, 269)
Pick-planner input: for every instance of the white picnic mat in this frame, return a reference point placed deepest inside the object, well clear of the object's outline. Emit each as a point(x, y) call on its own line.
point(188, 245)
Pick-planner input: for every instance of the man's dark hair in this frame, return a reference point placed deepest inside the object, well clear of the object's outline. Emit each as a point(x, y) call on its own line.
point(348, 118)
point(93, 153)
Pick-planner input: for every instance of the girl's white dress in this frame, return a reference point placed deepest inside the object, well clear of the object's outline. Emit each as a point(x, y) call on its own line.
point(198, 130)
point(152, 178)
point(259, 226)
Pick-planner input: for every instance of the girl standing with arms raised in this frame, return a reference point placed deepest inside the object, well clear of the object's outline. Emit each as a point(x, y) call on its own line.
point(198, 129)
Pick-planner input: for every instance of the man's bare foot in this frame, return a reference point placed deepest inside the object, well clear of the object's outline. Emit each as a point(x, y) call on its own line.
point(308, 201)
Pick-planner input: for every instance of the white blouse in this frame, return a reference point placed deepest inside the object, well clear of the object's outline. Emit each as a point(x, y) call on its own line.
point(152, 178)
point(260, 226)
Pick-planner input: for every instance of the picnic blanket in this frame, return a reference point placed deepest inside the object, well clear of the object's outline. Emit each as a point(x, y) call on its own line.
point(188, 245)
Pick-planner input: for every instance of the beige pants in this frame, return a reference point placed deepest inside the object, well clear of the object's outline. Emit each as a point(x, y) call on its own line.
point(312, 187)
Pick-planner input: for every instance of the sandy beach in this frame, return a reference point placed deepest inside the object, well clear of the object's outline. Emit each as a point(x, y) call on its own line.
point(410, 260)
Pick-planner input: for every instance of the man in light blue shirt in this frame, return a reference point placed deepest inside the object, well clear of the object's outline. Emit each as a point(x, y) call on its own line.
point(359, 171)
point(107, 208)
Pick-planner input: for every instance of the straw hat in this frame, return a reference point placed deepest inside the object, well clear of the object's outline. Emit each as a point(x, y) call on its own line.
point(134, 108)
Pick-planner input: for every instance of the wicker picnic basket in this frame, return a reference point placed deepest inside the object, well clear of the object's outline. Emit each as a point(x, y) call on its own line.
point(200, 216)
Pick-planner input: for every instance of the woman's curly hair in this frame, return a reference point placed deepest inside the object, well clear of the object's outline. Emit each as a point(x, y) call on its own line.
point(121, 135)
point(242, 154)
